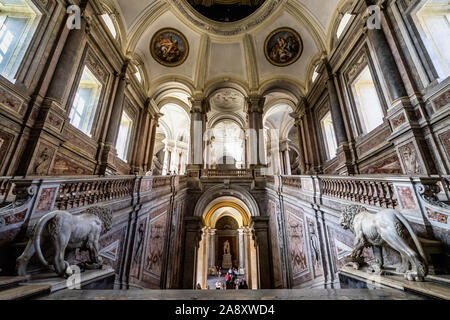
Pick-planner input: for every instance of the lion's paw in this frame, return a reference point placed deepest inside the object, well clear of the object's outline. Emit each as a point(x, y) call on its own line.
point(413, 276)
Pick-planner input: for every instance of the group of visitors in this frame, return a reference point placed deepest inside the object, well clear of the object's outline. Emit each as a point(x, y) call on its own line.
point(232, 280)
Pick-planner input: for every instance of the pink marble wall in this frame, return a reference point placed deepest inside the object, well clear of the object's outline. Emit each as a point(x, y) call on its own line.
point(437, 216)
point(63, 166)
point(46, 200)
point(406, 198)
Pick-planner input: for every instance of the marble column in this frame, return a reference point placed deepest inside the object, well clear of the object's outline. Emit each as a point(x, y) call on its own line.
point(335, 108)
point(117, 109)
point(247, 243)
point(409, 140)
point(343, 151)
point(198, 113)
point(109, 151)
point(255, 109)
point(193, 236)
point(386, 60)
point(140, 144)
point(241, 249)
point(313, 164)
point(56, 90)
point(148, 165)
point(261, 227)
point(301, 155)
point(68, 61)
point(212, 248)
point(284, 147)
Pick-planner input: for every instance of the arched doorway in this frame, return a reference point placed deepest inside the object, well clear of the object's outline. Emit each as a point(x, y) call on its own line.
point(227, 220)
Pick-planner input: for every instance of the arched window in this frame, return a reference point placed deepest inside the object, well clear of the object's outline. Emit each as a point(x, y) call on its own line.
point(315, 74)
point(329, 136)
point(110, 24)
point(138, 75)
point(370, 111)
point(85, 103)
point(433, 24)
point(123, 137)
point(18, 22)
point(343, 24)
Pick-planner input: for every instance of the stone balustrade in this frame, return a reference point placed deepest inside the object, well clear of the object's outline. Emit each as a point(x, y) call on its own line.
point(80, 193)
point(227, 173)
point(367, 191)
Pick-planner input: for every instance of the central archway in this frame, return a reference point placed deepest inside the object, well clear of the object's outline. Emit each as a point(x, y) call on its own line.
point(227, 218)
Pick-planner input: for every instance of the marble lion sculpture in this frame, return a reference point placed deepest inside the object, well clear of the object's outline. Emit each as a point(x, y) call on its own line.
point(387, 228)
point(66, 231)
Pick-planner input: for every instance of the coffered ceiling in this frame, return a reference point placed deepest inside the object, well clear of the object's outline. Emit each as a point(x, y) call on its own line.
point(227, 52)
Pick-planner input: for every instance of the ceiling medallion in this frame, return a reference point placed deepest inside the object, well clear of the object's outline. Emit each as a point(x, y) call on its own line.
point(283, 47)
point(262, 13)
point(169, 47)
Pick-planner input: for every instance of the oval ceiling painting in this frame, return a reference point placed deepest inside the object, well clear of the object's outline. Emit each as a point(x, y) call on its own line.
point(283, 47)
point(169, 47)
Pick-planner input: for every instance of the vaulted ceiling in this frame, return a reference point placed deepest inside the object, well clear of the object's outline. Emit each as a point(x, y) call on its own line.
point(227, 52)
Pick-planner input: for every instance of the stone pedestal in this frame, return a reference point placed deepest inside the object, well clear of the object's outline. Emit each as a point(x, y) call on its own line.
point(226, 261)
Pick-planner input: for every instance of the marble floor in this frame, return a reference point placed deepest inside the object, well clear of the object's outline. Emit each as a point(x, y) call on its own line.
point(302, 294)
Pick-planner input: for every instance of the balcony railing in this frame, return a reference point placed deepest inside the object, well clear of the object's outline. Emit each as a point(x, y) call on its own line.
point(75, 194)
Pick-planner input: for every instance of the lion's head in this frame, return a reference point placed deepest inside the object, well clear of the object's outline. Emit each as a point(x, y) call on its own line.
point(348, 214)
point(105, 216)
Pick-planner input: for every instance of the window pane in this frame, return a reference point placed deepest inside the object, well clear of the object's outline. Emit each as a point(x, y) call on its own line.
point(329, 135)
point(10, 34)
point(85, 102)
point(110, 24)
point(344, 22)
point(434, 27)
point(18, 22)
point(367, 102)
point(315, 74)
point(123, 137)
point(138, 76)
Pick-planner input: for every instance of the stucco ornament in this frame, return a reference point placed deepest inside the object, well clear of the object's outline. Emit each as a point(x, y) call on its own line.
point(387, 228)
point(62, 231)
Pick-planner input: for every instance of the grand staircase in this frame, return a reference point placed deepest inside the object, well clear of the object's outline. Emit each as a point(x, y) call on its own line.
point(40, 285)
point(13, 288)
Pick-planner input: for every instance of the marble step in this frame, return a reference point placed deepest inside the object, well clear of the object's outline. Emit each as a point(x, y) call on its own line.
point(58, 283)
point(233, 295)
point(7, 282)
point(22, 292)
point(434, 289)
point(444, 279)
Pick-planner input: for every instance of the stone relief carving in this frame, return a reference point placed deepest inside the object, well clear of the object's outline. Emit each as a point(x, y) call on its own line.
point(388, 228)
point(57, 229)
point(410, 160)
point(314, 241)
point(297, 245)
point(42, 163)
point(139, 241)
point(156, 241)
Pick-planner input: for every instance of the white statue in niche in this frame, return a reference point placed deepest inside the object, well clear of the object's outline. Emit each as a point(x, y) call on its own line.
point(226, 247)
